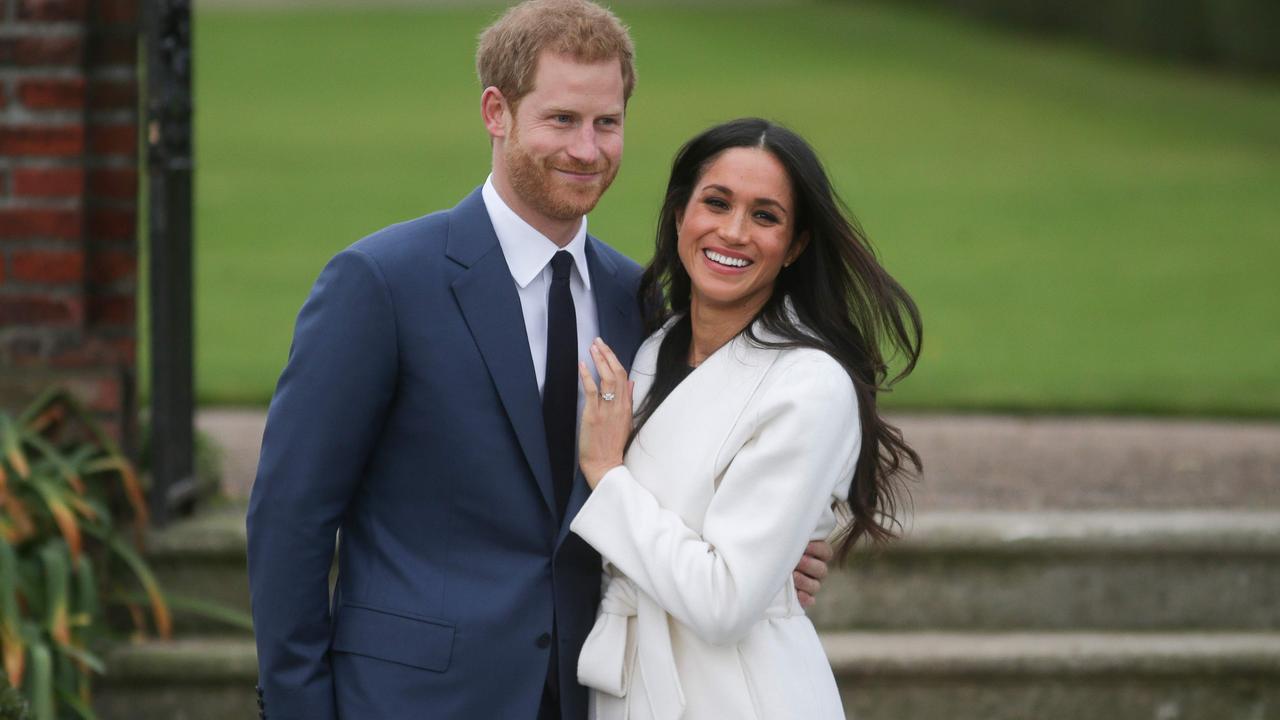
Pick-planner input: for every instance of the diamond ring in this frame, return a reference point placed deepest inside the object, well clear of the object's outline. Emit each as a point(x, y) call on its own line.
point(607, 397)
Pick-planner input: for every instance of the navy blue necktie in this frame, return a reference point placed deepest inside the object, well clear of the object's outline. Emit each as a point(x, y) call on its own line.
point(560, 415)
point(560, 388)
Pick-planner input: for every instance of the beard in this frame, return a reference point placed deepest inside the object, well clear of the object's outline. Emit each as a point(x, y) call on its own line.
point(535, 180)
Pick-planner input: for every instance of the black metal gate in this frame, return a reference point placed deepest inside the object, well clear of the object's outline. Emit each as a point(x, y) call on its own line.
point(169, 171)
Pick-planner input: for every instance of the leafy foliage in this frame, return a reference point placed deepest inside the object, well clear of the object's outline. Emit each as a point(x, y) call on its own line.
point(12, 705)
point(63, 483)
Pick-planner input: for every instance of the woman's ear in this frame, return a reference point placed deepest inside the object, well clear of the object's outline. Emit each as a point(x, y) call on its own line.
point(797, 248)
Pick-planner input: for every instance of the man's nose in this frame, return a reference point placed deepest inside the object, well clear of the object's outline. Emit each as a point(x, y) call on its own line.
point(583, 148)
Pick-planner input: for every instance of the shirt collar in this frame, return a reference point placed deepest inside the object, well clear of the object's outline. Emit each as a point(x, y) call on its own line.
point(528, 251)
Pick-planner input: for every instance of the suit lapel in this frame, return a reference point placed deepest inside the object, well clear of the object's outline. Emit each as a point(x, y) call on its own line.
point(616, 305)
point(490, 304)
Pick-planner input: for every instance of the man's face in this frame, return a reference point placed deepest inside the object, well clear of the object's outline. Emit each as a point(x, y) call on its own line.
point(565, 143)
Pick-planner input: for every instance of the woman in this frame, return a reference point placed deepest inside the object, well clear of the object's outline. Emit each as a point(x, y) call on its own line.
point(757, 422)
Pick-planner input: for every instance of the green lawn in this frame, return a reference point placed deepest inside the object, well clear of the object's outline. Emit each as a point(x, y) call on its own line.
point(1083, 232)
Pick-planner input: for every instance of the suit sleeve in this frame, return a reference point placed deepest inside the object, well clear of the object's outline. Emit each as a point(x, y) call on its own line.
point(324, 419)
point(771, 496)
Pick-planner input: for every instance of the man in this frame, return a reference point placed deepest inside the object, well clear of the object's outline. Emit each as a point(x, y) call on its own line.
point(428, 411)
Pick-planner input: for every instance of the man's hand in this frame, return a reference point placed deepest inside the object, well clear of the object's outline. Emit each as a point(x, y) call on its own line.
point(811, 571)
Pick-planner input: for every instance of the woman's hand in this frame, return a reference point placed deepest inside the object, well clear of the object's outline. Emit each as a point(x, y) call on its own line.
point(606, 416)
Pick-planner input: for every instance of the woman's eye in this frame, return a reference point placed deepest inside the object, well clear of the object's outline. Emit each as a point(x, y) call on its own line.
point(716, 203)
point(767, 217)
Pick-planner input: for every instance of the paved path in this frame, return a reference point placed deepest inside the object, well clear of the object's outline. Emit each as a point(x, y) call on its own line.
point(1009, 463)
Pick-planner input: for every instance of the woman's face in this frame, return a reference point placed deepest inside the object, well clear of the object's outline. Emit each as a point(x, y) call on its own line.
point(735, 234)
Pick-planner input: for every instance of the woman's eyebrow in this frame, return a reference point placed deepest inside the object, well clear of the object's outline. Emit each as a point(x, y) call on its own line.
point(758, 201)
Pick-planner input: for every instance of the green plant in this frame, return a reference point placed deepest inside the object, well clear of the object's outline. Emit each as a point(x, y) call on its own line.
point(12, 705)
point(63, 485)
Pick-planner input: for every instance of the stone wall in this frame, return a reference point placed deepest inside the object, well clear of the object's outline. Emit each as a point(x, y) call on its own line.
point(69, 143)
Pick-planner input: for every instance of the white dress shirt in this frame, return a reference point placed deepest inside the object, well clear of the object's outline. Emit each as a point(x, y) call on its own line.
point(528, 253)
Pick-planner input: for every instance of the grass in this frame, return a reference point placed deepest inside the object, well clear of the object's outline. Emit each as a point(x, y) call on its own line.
point(1083, 232)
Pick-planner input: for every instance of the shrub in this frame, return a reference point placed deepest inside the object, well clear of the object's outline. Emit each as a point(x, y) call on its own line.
point(1237, 33)
point(63, 485)
point(12, 705)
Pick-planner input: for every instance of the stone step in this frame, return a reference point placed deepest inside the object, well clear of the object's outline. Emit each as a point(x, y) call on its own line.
point(1145, 571)
point(193, 678)
point(882, 676)
point(1057, 676)
point(1212, 570)
point(203, 557)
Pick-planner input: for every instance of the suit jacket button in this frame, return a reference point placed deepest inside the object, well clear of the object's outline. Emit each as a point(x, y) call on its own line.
point(544, 640)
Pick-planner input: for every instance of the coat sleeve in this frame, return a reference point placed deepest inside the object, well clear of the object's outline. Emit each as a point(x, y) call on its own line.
point(324, 419)
point(770, 498)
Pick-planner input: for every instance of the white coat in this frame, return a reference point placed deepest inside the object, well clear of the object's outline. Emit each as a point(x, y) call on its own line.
point(700, 530)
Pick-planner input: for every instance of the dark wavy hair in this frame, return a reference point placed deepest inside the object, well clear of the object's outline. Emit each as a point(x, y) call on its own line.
point(847, 305)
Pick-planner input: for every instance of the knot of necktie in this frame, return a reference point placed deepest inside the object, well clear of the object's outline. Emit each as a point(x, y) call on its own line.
point(561, 263)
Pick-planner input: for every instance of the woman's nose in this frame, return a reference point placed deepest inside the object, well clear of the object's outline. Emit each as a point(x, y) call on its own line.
point(731, 229)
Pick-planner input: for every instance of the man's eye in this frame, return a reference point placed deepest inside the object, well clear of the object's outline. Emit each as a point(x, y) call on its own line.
point(563, 119)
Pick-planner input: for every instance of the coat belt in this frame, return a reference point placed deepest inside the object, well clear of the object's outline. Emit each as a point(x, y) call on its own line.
point(603, 665)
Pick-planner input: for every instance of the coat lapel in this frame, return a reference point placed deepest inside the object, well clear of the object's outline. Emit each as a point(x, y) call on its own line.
point(490, 304)
point(709, 400)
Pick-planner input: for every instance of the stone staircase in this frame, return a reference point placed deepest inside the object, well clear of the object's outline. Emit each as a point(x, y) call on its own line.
point(1044, 603)
point(993, 615)
point(209, 671)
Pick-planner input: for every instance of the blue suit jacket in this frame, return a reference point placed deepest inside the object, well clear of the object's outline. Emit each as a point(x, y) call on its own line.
point(409, 418)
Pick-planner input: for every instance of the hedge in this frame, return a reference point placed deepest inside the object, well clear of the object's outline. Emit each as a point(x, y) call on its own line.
point(1241, 34)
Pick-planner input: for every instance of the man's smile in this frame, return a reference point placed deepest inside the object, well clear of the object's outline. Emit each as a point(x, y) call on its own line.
point(578, 175)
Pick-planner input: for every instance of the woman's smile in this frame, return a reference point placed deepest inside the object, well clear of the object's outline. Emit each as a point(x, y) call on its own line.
point(724, 261)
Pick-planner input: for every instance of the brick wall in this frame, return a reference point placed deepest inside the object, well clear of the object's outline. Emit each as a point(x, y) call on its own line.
point(69, 202)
